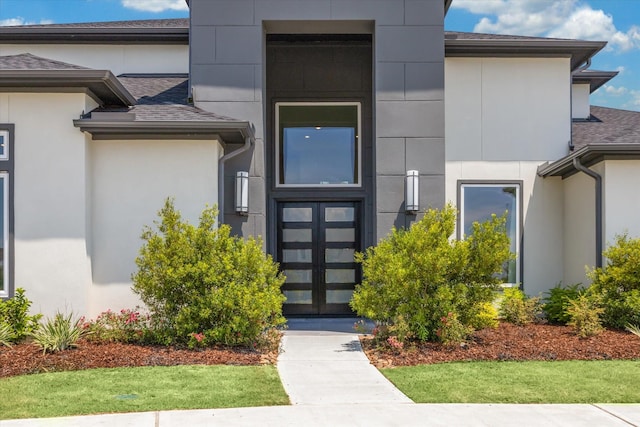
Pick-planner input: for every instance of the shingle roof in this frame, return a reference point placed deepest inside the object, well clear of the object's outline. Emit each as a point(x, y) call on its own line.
point(27, 61)
point(460, 35)
point(607, 126)
point(142, 23)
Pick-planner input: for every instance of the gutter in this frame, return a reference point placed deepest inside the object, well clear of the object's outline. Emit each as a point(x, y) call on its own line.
point(248, 142)
point(598, 178)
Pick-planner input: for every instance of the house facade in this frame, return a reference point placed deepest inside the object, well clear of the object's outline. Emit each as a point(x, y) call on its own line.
point(317, 129)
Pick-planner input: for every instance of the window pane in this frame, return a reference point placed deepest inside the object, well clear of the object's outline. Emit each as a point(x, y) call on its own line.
point(341, 296)
point(480, 202)
point(297, 214)
point(340, 276)
point(339, 214)
point(296, 255)
point(339, 255)
point(297, 297)
point(298, 276)
point(340, 235)
point(318, 144)
point(296, 235)
point(4, 140)
point(3, 235)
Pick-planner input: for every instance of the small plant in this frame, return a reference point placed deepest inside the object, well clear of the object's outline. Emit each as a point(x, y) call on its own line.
point(634, 329)
point(14, 312)
point(452, 331)
point(585, 316)
point(557, 301)
point(516, 308)
point(487, 317)
point(6, 334)
point(57, 334)
point(127, 325)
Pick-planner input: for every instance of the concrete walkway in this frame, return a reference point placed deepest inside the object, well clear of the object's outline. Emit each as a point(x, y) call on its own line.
point(331, 383)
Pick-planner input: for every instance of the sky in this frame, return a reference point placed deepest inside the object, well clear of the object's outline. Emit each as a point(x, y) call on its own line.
point(614, 21)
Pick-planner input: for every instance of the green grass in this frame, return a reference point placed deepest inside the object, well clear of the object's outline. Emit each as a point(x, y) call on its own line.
point(139, 389)
point(520, 382)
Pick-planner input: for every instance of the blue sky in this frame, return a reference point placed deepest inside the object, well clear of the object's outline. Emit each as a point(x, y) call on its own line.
point(615, 21)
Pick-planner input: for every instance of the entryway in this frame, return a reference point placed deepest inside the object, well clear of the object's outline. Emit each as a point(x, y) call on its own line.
point(316, 242)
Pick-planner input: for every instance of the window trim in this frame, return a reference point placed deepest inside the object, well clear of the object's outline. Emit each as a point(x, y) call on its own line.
point(6, 134)
point(519, 218)
point(358, 158)
point(6, 171)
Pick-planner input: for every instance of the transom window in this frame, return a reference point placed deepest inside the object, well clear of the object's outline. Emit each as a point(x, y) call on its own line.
point(478, 201)
point(318, 144)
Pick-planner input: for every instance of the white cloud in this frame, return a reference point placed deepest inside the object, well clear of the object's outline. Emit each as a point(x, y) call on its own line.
point(573, 19)
point(155, 5)
point(615, 91)
point(12, 22)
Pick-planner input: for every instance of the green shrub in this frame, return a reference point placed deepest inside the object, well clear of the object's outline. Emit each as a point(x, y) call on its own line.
point(452, 331)
point(617, 285)
point(634, 329)
point(201, 280)
point(557, 301)
point(414, 278)
point(486, 317)
point(57, 334)
point(585, 316)
point(6, 334)
point(128, 326)
point(14, 312)
point(516, 308)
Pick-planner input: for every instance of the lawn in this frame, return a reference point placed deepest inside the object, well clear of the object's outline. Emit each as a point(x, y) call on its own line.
point(613, 381)
point(139, 389)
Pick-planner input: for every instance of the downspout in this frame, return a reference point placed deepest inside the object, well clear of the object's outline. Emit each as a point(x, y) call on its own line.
point(579, 166)
point(248, 141)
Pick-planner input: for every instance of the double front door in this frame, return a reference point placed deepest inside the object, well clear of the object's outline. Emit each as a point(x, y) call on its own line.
point(316, 245)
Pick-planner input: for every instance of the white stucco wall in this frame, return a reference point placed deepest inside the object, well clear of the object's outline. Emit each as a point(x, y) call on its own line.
point(622, 206)
point(507, 109)
point(578, 227)
point(51, 260)
point(504, 117)
point(580, 106)
point(117, 58)
point(129, 182)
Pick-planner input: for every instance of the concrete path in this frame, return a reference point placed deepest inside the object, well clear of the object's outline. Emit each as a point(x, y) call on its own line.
point(322, 363)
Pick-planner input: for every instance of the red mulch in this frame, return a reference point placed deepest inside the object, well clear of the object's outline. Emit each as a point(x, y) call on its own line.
point(510, 342)
point(28, 359)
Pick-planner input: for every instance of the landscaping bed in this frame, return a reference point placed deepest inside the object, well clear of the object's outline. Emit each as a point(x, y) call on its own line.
point(511, 342)
point(29, 359)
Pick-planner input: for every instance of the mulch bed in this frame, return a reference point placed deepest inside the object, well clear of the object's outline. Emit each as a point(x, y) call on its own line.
point(28, 359)
point(511, 342)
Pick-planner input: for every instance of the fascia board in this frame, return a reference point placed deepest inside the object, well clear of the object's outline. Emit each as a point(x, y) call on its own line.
point(21, 35)
point(589, 155)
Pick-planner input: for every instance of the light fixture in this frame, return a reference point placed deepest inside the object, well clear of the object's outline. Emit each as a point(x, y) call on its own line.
point(412, 192)
point(242, 193)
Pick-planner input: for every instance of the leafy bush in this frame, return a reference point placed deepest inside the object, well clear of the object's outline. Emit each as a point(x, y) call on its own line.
point(556, 303)
point(202, 280)
point(617, 285)
point(128, 326)
point(487, 317)
point(634, 329)
point(14, 313)
point(57, 334)
point(452, 331)
point(414, 278)
point(516, 308)
point(6, 334)
point(585, 316)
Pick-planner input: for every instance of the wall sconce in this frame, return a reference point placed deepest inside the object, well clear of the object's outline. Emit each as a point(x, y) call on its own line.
point(242, 193)
point(412, 195)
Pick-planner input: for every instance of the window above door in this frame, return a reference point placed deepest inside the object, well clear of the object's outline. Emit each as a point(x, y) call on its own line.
point(318, 144)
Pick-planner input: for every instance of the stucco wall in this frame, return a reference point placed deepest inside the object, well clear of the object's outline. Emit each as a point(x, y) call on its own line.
point(51, 260)
point(507, 109)
point(117, 58)
point(580, 104)
point(579, 227)
point(621, 183)
point(129, 182)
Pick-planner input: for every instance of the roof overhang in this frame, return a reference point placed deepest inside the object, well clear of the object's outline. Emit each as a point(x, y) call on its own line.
point(70, 35)
point(595, 79)
point(578, 50)
point(230, 132)
point(447, 5)
point(101, 85)
point(589, 155)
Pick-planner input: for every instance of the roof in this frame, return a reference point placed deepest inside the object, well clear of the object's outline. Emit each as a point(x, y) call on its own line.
point(29, 73)
point(609, 133)
point(594, 78)
point(162, 110)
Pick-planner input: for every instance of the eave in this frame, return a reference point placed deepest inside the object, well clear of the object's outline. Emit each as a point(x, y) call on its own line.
point(102, 85)
point(231, 132)
point(49, 35)
point(595, 79)
point(589, 155)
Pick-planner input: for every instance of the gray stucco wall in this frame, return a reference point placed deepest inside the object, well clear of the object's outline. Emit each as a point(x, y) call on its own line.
point(228, 75)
